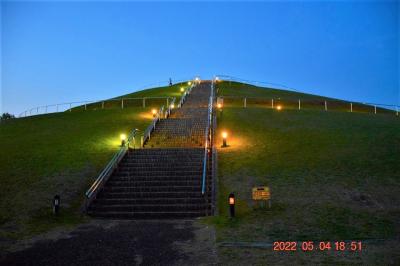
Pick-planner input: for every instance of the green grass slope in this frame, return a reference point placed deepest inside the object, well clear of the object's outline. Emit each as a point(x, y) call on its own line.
point(61, 153)
point(333, 176)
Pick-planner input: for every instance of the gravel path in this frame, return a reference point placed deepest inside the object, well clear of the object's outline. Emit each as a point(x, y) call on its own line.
point(104, 242)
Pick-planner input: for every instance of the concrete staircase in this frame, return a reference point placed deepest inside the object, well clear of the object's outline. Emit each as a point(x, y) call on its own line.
point(164, 179)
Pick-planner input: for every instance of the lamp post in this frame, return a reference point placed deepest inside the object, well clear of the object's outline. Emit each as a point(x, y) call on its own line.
point(123, 139)
point(231, 200)
point(56, 204)
point(154, 112)
point(279, 107)
point(224, 137)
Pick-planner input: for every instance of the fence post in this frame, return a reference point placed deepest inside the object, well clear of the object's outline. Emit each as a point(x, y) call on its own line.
point(70, 107)
point(397, 110)
point(375, 109)
point(299, 105)
point(37, 110)
point(102, 105)
point(144, 102)
point(245, 102)
point(351, 107)
point(272, 103)
point(326, 106)
point(141, 141)
point(85, 107)
point(46, 109)
point(122, 103)
point(25, 113)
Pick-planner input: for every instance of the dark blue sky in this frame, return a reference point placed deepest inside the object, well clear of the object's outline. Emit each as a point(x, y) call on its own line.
point(70, 51)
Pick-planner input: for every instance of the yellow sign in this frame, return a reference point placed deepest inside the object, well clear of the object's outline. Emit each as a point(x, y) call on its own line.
point(261, 193)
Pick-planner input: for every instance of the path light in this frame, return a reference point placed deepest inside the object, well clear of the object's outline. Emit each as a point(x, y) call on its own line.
point(279, 107)
point(216, 78)
point(224, 136)
point(231, 201)
point(219, 106)
point(189, 83)
point(154, 112)
point(182, 89)
point(56, 204)
point(172, 106)
point(123, 139)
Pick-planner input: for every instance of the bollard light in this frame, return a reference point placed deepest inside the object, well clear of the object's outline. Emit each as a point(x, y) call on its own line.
point(172, 106)
point(224, 137)
point(154, 112)
point(189, 83)
point(219, 106)
point(123, 139)
point(279, 107)
point(56, 204)
point(182, 89)
point(231, 201)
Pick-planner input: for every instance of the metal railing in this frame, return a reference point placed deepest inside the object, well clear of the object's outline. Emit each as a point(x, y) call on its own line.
point(85, 105)
point(208, 138)
point(322, 103)
point(152, 126)
point(374, 106)
point(91, 193)
point(184, 96)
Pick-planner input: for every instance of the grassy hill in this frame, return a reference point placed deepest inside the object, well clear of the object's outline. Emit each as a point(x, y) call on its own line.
point(333, 176)
point(61, 153)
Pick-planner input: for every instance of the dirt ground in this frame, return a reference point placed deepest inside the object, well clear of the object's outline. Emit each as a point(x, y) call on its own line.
point(118, 242)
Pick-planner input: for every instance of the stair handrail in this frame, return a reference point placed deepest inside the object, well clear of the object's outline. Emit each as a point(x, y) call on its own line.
point(152, 126)
point(107, 171)
point(207, 138)
point(170, 107)
point(184, 96)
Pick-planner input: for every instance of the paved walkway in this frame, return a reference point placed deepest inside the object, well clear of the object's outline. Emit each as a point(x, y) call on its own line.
point(118, 242)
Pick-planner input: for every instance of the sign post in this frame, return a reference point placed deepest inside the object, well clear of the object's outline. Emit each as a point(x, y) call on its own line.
point(262, 194)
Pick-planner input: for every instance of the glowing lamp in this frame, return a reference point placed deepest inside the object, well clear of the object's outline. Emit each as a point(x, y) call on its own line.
point(279, 107)
point(231, 200)
point(172, 106)
point(219, 106)
point(123, 139)
point(154, 112)
point(189, 83)
point(224, 136)
point(182, 89)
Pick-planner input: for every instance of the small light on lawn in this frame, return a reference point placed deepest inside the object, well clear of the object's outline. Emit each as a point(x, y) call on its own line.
point(172, 106)
point(182, 89)
point(219, 106)
point(189, 83)
point(56, 204)
point(232, 204)
point(279, 107)
point(154, 112)
point(123, 139)
point(224, 137)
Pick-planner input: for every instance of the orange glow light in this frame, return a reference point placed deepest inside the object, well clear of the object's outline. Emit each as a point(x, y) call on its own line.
point(153, 111)
point(231, 201)
point(279, 107)
point(224, 135)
